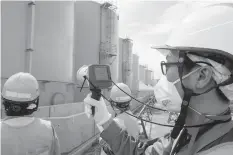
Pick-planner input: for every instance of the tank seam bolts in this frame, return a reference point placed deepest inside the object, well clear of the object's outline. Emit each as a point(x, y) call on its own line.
point(32, 3)
point(29, 50)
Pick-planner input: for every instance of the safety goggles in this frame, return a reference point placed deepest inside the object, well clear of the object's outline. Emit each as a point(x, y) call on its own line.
point(122, 105)
point(165, 65)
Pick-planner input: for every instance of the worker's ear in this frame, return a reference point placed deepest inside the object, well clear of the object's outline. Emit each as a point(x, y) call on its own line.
point(204, 77)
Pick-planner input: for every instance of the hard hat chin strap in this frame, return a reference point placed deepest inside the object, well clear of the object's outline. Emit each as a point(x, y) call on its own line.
point(188, 93)
point(183, 114)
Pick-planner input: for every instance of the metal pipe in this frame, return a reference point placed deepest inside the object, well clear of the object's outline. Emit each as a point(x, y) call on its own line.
point(144, 129)
point(150, 128)
point(142, 123)
point(30, 38)
point(100, 46)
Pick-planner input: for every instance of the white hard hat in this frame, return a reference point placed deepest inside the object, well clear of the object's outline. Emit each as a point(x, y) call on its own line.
point(21, 87)
point(83, 71)
point(208, 30)
point(118, 95)
point(207, 33)
point(210, 27)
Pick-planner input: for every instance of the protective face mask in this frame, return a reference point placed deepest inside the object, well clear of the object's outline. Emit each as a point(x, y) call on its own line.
point(167, 95)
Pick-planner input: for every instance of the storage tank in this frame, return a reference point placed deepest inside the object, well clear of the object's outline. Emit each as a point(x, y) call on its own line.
point(148, 77)
point(142, 73)
point(127, 61)
point(120, 60)
point(51, 45)
point(135, 72)
point(96, 38)
point(152, 75)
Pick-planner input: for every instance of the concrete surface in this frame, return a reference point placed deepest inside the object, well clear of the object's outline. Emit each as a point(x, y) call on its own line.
point(76, 132)
point(73, 131)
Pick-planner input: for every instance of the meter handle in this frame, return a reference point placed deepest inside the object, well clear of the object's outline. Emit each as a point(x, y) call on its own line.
point(95, 94)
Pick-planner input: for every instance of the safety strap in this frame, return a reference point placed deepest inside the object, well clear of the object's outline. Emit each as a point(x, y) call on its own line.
point(212, 135)
point(188, 93)
point(176, 142)
point(207, 138)
point(194, 132)
point(221, 149)
point(183, 114)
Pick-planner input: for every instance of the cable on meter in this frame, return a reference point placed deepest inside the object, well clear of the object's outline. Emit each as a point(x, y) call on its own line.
point(98, 77)
point(166, 125)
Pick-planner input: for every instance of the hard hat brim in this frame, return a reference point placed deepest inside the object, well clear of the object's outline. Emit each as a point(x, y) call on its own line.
point(213, 54)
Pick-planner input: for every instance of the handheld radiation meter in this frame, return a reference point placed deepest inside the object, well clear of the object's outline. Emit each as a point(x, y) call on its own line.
point(98, 76)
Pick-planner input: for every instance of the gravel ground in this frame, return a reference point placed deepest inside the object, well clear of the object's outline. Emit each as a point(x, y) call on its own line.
point(94, 150)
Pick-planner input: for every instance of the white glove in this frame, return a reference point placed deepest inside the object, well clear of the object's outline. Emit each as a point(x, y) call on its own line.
point(101, 112)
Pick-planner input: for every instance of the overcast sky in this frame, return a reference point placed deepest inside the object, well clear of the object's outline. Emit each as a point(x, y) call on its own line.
point(149, 23)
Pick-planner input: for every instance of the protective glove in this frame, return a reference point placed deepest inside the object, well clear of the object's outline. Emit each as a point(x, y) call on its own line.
point(162, 145)
point(101, 112)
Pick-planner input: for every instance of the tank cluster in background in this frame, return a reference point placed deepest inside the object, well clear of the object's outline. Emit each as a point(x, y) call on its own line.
point(52, 40)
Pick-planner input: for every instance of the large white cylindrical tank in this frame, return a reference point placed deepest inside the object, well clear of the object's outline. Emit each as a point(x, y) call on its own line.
point(142, 73)
point(53, 39)
point(86, 38)
point(87, 33)
point(127, 61)
point(14, 35)
point(120, 61)
point(96, 38)
point(54, 31)
point(109, 45)
point(52, 56)
point(152, 75)
point(148, 77)
point(135, 72)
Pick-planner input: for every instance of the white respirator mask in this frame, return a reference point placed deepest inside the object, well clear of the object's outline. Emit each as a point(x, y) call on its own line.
point(166, 92)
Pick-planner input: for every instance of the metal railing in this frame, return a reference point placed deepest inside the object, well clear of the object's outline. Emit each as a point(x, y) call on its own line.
point(148, 117)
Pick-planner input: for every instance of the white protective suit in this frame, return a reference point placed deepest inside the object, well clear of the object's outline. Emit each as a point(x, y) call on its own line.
point(28, 136)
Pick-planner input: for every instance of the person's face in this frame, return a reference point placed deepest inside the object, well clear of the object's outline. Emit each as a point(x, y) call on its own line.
point(172, 73)
point(198, 81)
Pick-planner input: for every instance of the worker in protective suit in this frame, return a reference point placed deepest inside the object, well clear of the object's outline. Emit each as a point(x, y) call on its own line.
point(21, 133)
point(199, 66)
point(121, 103)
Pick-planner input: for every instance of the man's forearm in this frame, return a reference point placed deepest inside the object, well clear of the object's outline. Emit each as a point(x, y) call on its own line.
point(123, 144)
point(106, 124)
point(119, 140)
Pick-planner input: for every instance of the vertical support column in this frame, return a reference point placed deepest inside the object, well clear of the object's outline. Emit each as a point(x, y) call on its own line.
point(144, 129)
point(30, 38)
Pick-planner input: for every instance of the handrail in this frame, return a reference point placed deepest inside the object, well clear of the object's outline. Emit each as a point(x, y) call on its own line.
point(139, 116)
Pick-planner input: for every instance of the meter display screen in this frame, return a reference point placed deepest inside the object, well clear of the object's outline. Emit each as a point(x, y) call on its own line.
point(101, 73)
